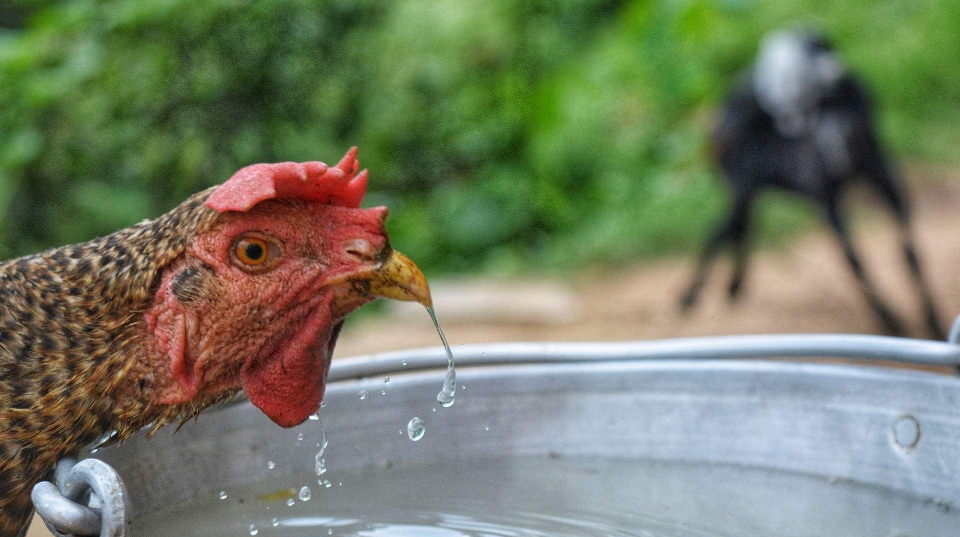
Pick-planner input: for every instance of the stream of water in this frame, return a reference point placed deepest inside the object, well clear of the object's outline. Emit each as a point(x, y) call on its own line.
point(448, 394)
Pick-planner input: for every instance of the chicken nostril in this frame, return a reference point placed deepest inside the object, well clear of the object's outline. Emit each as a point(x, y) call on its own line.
point(363, 250)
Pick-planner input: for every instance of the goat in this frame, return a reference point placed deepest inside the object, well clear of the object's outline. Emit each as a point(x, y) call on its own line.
point(798, 121)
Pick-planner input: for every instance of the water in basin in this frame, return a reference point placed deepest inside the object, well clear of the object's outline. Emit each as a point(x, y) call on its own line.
point(555, 497)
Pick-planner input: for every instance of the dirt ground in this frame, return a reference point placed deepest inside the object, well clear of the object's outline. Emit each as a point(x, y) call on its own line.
point(803, 286)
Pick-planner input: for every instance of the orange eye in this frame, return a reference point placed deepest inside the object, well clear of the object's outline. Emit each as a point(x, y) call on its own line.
point(254, 252)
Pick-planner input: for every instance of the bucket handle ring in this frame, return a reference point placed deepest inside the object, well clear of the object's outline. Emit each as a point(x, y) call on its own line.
point(89, 499)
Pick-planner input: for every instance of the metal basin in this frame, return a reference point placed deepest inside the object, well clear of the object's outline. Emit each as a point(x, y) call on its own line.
point(658, 438)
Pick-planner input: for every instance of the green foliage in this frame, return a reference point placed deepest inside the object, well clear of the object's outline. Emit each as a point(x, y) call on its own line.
point(502, 133)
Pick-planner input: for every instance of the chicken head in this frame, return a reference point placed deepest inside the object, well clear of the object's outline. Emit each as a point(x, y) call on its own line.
point(259, 297)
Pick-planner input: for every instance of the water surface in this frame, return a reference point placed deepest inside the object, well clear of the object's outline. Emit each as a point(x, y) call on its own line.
point(556, 497)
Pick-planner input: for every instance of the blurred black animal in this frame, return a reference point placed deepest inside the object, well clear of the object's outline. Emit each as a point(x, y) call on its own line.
point(799, 121)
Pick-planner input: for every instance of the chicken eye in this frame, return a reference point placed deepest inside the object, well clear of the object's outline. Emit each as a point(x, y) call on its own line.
point(254, 251)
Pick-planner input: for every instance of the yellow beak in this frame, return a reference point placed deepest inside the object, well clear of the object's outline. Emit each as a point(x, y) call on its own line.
point(400, 279)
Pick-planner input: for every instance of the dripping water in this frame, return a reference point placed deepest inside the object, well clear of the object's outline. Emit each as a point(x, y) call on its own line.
point(320, 461)
point(449, 391)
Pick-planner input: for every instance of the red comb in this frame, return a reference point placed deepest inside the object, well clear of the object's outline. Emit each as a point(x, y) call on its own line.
point(315, 181)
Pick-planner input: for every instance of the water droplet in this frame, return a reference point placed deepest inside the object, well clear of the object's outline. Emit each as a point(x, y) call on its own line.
point(304, 494)
point(329, 532)
point(299, 437)
point(486, 428)
point(415, 429)
point(314, 416)
point(434, 409)
point(275, 522)
point(290, 502)
point(483, 353)
point(223, 495)
point(383, 392)
point(363, 394)
point(386, 380)
point(446, 399)
point(323, 404)
point(271, 465)
point(404, 363)
point(327, 484)
point(253, 529)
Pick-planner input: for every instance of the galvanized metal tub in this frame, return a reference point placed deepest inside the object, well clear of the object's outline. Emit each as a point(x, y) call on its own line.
point(696, 404)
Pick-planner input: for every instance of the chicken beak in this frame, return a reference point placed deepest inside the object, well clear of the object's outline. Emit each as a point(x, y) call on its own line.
point(400, 279)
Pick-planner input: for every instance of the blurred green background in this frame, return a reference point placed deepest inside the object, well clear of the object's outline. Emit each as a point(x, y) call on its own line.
point(504, 135)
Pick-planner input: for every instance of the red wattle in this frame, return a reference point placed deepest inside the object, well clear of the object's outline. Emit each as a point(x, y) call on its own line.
point(288, 383)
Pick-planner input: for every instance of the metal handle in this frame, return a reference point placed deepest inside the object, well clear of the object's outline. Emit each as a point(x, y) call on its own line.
point(89, 499)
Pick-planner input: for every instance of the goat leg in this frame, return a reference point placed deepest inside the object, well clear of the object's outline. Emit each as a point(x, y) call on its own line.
point(891, 323)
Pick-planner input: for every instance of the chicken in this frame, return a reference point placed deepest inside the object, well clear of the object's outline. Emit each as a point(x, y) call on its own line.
point(242, 286)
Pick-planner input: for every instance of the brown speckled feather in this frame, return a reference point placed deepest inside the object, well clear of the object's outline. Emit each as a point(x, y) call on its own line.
point(69, 331)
